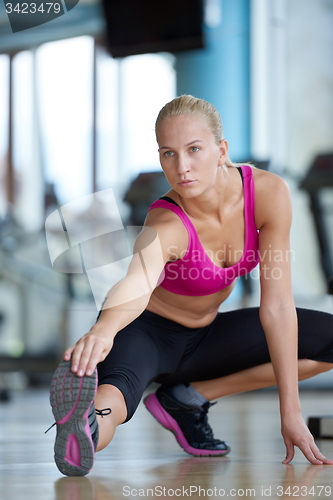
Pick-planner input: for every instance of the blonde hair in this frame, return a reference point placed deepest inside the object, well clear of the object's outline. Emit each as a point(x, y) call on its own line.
point(192, 106)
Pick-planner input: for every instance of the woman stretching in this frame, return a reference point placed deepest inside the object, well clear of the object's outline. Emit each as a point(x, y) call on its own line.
point(217, 222)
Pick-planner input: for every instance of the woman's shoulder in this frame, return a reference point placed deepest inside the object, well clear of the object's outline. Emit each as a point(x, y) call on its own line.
point(272, 197)
point(167, 212)
point(170, 229)
point(268, 183)
point(166, 219)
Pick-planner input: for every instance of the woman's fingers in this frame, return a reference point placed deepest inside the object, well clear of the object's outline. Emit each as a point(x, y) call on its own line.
point(87, 353)
point(319, 456)
point(68, 353)
point(98, 354)
point(85, 356)
point(290, 452)
point(310, 451)
point(77, 355)
point(311, 456)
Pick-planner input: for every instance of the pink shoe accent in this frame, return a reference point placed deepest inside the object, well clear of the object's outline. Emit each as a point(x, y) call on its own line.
point(87, 427)
point(71, 388)
point(68, 416)
point(164, 418)
point(73, 452)
point(63, 388)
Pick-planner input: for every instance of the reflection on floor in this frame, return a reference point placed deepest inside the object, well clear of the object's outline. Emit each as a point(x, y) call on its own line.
point(144, 460)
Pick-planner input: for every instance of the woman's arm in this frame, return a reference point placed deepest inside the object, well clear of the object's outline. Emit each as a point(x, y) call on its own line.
point(278, 315)
point(128, 298)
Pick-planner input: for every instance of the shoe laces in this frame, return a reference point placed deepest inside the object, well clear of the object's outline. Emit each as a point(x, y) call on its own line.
point(50, 428)
point(100, 413)
point(203, 420)
point(104, 412)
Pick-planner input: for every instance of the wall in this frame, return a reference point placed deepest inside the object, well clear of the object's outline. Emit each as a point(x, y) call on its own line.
point(309, 33)
point(220, 73)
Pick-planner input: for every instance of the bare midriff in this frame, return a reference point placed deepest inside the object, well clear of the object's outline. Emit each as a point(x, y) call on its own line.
point(193, 312)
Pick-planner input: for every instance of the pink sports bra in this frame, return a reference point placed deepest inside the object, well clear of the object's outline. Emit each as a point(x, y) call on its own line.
point(195, 274)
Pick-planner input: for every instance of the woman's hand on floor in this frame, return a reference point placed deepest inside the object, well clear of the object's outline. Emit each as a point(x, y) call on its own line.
point(90, 350)
point(296, 433)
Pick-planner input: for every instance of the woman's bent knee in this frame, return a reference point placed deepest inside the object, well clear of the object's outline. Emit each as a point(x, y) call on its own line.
point(109, 396)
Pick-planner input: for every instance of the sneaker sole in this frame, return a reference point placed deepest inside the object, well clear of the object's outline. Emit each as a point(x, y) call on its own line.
point(168, 422)
point(71, 397)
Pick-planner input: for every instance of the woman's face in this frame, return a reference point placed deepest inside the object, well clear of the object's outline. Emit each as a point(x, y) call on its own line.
point(189, 154)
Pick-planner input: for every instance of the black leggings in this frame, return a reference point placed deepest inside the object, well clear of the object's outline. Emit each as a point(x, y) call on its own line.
point(153, 348)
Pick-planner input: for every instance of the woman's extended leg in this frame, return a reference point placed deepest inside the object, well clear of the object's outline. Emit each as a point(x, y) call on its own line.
point(86, 420)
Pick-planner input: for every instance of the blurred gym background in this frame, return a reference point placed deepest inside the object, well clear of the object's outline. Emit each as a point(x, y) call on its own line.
point(78, 100)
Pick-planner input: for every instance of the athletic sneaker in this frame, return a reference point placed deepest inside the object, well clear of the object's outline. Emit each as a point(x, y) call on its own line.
point(189, 425)
point(72, 401)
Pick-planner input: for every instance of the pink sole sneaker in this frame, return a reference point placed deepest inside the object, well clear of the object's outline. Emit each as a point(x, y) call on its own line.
point(71, 397)
point(168, 422)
